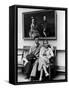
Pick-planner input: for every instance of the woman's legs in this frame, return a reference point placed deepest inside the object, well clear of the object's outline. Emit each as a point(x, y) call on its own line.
point(45, 70)
point(41, 72)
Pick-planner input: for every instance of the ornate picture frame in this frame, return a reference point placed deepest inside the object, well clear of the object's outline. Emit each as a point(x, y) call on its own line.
point(45, 24)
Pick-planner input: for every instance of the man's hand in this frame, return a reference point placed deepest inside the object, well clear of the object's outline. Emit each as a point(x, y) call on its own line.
point(25, 61)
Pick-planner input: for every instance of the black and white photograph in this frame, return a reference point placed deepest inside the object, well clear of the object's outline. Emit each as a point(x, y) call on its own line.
point(41, 45)
point(38, 44)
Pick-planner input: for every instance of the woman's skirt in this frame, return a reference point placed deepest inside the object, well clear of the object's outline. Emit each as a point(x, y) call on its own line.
point(43, 61)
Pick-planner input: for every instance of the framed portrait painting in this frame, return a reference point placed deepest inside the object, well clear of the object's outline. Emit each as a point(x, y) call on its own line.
point(41, 23)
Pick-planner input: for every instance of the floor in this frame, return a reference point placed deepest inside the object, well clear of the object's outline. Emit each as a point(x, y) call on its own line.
point(21, 77)
point(59, 77)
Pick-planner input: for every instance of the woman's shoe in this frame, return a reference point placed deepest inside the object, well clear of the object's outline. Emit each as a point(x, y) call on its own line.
point(40, 79)
point(47, 74)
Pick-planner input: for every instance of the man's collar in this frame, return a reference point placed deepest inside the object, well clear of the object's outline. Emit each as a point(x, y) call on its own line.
point(37, 45)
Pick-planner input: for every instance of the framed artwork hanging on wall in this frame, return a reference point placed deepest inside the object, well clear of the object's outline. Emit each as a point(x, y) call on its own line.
point(44, 23)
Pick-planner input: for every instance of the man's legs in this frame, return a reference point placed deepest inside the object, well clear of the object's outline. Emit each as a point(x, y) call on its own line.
point(34, 69)
point(28, 68)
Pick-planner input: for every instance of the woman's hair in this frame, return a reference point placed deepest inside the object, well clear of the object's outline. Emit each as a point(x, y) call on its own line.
point(45, 41)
